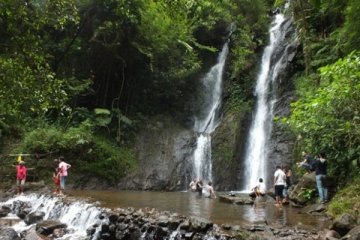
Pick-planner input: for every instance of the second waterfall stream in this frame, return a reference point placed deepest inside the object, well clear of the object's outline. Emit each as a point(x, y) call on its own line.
point(256, 164)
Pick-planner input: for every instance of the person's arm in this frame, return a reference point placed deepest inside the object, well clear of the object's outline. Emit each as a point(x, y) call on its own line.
point(276, 175)
point(212, 192)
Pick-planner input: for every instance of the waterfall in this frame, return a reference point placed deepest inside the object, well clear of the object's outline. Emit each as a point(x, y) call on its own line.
point(77, 215)
point(260, 130)
point(208, 118)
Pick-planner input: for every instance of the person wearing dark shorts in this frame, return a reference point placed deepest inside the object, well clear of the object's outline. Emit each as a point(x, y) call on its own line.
point(279, 185)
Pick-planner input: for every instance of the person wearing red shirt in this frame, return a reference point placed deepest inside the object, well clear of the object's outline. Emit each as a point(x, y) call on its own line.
point(20, 177)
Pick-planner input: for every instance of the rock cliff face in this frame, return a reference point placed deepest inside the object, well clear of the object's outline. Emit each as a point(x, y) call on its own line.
point(281, 144)
point(164, 151)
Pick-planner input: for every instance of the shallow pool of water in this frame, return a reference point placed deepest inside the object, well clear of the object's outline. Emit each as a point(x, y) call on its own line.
point(190, 204)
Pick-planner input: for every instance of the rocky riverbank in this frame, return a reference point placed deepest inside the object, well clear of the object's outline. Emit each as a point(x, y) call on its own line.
point(127, 223)
point(43, 217)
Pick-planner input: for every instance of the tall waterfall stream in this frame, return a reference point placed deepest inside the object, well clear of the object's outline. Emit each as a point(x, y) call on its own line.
point(207, 120)
point(260, 130)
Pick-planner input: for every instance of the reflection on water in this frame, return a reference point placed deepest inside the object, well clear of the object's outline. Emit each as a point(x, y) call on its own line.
point(191, 204)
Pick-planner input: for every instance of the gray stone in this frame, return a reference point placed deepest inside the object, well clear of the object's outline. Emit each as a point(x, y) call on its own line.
point(4, 211)
point(174, 223)
point(34, 217)
point(343, 224)
point(8, 234)
point(306, 182)
point(185, 225)
point(353, 234)
point(20, 208)
point(163, 221)
point(189, 235)
point(200, 224)
point(332, 234)
point(47, 227)
point(239, 199)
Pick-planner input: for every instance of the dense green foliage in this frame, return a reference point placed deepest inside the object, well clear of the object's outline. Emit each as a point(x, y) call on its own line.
point(328, 119)
point(90, 154)
point(326, 114)
point(81, 76)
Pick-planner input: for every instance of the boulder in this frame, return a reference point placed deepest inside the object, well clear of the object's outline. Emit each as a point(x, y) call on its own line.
point(34, 217)
point(306, 182)
point(20, 208)
point(200, 224)
point(331, 234)
point(343, 224)
point(353, 234)
point(239, 199)
point(47, 227)
point(31, 234)
point(8, 234)
point(315, 208)
point(4, 211)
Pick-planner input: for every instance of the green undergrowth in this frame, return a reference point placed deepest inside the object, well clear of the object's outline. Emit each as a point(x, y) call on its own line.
point(347, 199)
point(90, 153)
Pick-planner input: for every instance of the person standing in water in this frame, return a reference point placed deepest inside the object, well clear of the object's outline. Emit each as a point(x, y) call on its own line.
point(279, 185)
point(288, 174)
point(199, 187)
point(192, 185)
point(208, 191)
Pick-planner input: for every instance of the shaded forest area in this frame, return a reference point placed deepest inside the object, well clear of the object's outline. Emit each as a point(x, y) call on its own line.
point(80, 78)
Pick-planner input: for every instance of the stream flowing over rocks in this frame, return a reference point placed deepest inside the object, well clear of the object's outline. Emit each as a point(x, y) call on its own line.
point(40, 216)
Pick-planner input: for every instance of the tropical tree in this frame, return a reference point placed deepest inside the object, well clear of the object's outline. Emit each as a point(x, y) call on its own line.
point(328, 119)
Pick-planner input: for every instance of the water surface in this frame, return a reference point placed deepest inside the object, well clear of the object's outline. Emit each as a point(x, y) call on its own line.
point(190, 204)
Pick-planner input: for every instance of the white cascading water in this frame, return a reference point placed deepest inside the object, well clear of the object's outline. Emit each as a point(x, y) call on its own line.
point(79, 216)
point(256, 154)
point(207, 119)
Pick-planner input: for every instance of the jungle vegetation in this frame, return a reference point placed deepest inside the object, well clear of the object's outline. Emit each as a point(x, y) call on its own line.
point(81, 77)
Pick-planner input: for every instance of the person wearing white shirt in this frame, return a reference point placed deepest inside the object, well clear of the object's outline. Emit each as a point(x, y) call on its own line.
point(279, 185)
point(258, 190)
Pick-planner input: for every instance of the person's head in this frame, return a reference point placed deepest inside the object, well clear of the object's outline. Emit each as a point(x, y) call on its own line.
point(22, 163)
point(322, 155)
point(210, 183)
point(278, 167)
point(261, 180)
